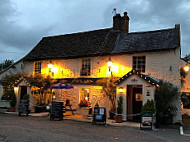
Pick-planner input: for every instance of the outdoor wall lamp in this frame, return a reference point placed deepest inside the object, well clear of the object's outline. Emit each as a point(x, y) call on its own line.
point(109, 63)
point(15, 90)
point(186, 68)
point(50, 65)
point(120, 89)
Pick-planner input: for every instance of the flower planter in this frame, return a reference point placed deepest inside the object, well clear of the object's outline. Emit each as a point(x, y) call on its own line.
point(112, 115)
point(12, 109)
point(39, 109)
point(119, 118)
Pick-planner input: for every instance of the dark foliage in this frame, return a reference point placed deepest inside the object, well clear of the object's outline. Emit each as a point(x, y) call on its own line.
point(166, 94)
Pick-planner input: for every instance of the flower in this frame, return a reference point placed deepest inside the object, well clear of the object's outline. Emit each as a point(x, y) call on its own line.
point(83, 103)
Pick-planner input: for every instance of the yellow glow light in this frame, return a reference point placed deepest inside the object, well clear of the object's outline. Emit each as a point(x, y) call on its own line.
point(16, 90)
point(50, 65)
point(109, 63)
point(186, 68)
point(55, 69)
point(120, 89)
point(86, 98)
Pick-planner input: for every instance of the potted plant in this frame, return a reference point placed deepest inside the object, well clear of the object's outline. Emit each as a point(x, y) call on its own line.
point(119, 116)
point(149, 106)
point(148, 110)
point(12, 103)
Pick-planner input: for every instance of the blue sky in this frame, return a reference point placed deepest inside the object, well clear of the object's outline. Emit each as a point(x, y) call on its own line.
point(24, 22)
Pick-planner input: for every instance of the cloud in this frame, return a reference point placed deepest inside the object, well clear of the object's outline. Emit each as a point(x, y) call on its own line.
point(146, 15)
point(24, 23)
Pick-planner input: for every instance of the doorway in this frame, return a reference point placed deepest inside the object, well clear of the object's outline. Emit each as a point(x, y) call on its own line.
point(23, 91)
point(134, 102)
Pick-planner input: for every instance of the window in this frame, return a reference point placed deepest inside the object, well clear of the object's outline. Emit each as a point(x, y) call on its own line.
point(139, 63)
point(84, 97)
point(86, 67)
point(37, 67)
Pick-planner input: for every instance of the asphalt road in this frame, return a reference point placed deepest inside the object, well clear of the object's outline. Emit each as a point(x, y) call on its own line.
point(41, 129)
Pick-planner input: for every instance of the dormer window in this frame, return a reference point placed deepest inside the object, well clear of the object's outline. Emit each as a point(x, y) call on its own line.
point(85, 67)
point(37, 67)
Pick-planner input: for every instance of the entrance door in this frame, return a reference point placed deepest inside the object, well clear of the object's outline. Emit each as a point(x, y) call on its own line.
point(23, 91)
point(134, 102)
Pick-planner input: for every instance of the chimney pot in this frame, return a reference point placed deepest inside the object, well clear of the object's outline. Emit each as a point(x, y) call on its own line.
point(117, 22)
point(121, 23)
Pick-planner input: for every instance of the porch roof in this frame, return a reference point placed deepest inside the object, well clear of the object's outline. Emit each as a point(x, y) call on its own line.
point(147, 78)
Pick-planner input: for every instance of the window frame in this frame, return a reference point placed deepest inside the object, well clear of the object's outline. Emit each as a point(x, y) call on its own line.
point(38, 67)
point(139, 63)
point(86, 63)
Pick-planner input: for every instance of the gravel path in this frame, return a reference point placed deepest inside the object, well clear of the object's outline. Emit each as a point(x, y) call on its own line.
point(41, 129)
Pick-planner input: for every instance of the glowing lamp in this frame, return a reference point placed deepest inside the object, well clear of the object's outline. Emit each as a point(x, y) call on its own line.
point(186, 68)
point(109, 63)
point(120, 89)
point(86, 98)
point(50, 65)
point(15, 90)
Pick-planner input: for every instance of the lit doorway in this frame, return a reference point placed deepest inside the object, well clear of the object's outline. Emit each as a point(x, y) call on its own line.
point(134, 102)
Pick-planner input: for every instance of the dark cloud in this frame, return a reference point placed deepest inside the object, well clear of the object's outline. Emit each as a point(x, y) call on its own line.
point(148, 15)
point(24, 23)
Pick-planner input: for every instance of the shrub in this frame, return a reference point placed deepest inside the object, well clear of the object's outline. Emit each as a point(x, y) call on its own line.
point(13, 100)
point(120, 105)
point(165, 95)
point(149, 106)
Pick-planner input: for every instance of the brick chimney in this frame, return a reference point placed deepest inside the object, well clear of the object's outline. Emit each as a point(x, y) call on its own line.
point(117, 22)
point(125, 23)
point(121, 23)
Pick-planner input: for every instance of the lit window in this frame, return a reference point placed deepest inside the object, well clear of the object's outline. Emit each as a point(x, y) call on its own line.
point(85, 67)
point(84, 97)
point(37, 67)
point(139, 63)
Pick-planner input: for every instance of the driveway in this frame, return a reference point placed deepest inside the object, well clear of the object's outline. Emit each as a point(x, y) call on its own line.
point(41, 129)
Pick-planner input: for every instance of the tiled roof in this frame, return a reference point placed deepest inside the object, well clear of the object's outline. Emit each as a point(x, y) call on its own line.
point(104, 42)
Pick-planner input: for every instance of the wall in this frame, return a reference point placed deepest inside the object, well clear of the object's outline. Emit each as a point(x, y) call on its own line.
point(162, 65)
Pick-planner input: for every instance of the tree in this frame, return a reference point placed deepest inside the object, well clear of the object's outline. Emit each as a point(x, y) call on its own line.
point(6, 64)
point(183, 75)
point(165, 96)
point(43, 84)
point(109, 88)
point(187, 58)
point(8, 85)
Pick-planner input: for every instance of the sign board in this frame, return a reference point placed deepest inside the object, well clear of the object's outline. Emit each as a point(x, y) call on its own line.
point(23, 107)
point(99, 115)
point(56, 110)
point(139, 97)
point(146, 120)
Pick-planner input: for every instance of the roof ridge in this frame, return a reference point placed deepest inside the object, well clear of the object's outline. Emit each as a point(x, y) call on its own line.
point(76, 33)
point(153, 31)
